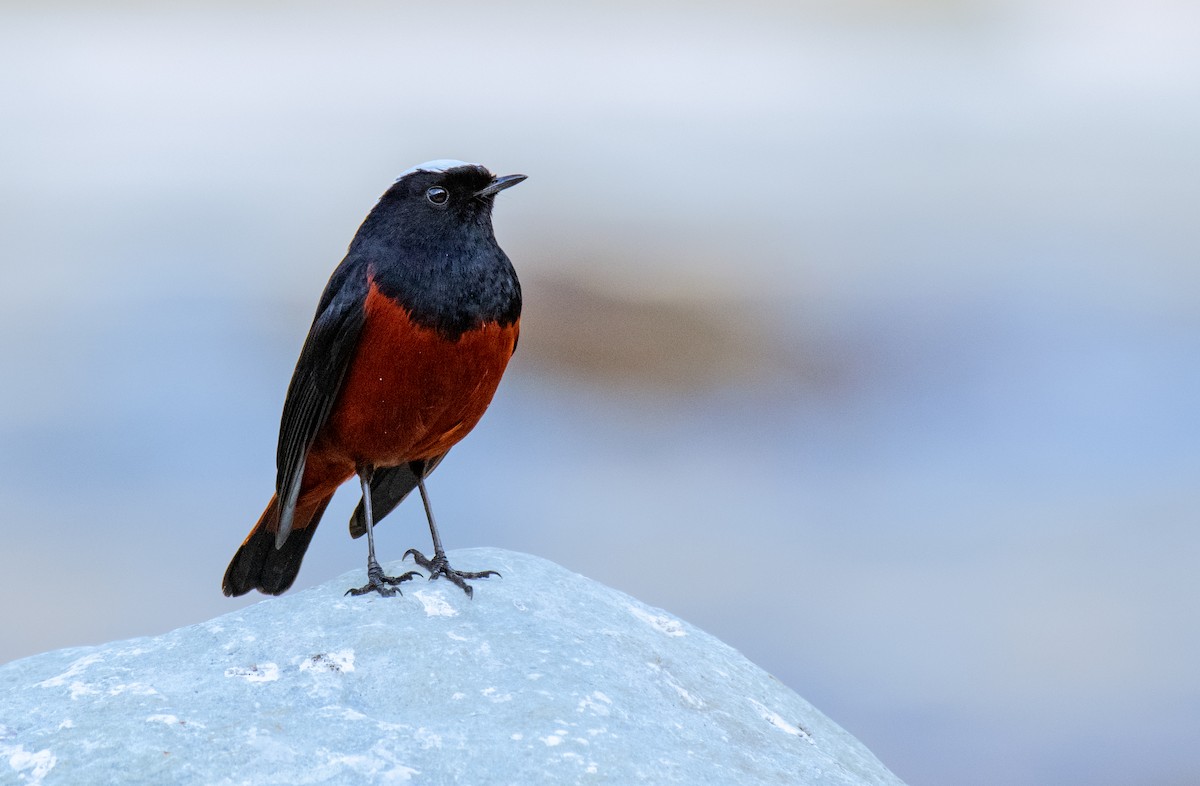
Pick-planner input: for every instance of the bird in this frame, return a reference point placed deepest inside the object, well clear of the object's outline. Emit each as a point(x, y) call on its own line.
point(407, 347)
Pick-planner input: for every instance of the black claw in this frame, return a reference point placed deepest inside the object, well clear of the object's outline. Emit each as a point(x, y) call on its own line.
point(377, 581)
point(385, 591)
point(439, 566)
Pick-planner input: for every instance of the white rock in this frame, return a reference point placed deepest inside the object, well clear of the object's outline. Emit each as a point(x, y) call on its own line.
point(544, 677)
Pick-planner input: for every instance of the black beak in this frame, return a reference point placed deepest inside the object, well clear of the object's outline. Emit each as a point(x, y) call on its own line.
point(498, 184)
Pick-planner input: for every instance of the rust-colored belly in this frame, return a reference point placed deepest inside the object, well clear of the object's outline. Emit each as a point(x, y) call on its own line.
point(411, 394)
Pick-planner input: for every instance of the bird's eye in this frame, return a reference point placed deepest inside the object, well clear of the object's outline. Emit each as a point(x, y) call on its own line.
point(437, 195)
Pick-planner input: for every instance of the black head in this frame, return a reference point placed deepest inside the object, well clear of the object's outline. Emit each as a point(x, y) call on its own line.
point(428, 244)
point(437, 202)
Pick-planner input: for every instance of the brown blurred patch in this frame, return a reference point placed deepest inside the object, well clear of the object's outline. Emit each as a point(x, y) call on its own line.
point(677, 341)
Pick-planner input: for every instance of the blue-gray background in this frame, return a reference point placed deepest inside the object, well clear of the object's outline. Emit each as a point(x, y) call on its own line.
point(864, 335)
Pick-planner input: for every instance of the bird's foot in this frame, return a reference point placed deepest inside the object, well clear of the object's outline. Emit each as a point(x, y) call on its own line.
point(438, 566)
point(378, 582)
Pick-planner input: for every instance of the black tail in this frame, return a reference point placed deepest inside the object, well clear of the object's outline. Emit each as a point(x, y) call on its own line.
point(259, 565)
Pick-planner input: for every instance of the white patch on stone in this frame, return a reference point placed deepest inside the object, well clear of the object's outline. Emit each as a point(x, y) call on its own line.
point(267, 672)
point(38, 763)
point(596, 703)
point(518, 736)
point(340, 661)
point(427, 738)
point(167, 719)
point(551, 740)
point(669, 678)
point(495, 696)
point(373, 768)
point(458, 695)
point(66, 724)
point(774, 718)
point(74, 670)
point(435, 604)
point(135, 688)
point(660, 622)
point(451, 634)
point(79, 688)
point(683, 694)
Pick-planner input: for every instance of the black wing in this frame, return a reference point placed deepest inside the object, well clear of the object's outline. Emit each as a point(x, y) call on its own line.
point(389, 487)
point(318, 377)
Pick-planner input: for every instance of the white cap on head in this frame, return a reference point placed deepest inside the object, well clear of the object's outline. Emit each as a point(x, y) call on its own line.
point(438, 165)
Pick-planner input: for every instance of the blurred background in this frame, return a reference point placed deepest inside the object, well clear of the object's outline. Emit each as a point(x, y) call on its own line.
point(864, 335)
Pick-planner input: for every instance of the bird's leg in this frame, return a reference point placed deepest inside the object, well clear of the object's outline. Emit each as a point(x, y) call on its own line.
point(377, 581)
point(438, 566)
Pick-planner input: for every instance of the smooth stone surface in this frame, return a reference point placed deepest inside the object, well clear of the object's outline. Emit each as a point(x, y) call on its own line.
point(545, 676)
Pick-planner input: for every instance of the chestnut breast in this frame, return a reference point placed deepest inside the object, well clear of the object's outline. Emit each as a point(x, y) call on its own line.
point(411, 393)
